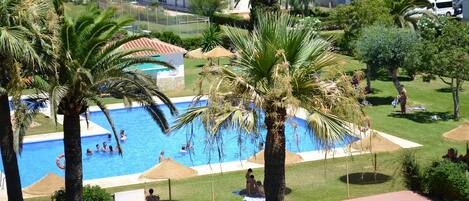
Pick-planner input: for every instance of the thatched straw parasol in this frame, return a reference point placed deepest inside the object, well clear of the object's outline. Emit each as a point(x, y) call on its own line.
point(290, 158)
point(46, 186)
point(218, 52)
point(461, 133)
point(195, 54)
point(169, 169)
point(375, 143)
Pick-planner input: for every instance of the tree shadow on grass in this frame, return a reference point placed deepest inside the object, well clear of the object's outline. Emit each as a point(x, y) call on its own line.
point(389, 79)
point(377, 100)
point(374, 90)
point(423, 116)
point(366, 178)
point(447, 90)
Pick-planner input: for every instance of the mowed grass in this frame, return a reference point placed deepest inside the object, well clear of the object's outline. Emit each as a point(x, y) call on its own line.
point(321, 180)
point(47, 125)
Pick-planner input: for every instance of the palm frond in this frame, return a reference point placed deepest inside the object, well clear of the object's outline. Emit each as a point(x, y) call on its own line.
point(106, 113)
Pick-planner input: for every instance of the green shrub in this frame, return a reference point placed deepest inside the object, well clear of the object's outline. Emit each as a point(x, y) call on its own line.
point(447, 180)
point(410, 170)
point(230, 20)
point(90, 193)
point(168, 36)
point(191, 43)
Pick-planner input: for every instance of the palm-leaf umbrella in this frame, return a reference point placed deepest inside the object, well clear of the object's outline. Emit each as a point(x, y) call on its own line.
point(195, 54)
point(290, 158)
point(169, 169)
point(375, 143)
point(460, 133)
point(46, 186)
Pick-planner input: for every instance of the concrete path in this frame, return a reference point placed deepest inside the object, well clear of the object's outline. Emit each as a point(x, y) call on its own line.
point(394, 196)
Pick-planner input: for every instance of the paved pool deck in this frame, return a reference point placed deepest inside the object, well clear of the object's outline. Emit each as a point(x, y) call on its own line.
point(93, 129)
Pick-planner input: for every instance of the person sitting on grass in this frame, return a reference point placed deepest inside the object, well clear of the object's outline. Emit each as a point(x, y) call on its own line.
point(251, 186)
point(152, 197)
point(452, 155)
point(260, 189)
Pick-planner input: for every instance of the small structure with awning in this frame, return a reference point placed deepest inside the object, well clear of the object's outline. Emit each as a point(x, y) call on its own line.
point(174, 55)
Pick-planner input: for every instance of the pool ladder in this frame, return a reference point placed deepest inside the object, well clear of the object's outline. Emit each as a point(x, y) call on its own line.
point(2, 180)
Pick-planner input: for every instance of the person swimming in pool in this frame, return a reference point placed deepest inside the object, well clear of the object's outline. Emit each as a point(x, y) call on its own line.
point(89, 152)
point(97, 148)
point(111, 149)
point(161, 158)
point(123, 135)
point(104, 149)
point(183, 149)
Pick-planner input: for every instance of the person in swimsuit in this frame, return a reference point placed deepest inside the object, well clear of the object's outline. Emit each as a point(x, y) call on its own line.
point(403, 99)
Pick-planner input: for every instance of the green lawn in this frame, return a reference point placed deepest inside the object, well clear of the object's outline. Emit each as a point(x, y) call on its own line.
point(47, 125)
point(320, 180)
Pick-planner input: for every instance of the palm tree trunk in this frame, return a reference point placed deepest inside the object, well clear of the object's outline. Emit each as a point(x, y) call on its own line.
point(73, 160)
point(10, 162)
point(274, 174)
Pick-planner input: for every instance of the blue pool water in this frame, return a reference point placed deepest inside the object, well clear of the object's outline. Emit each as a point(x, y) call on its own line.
point(150, 68)
point(143, 145)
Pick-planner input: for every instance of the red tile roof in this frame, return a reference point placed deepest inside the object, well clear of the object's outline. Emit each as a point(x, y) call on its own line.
point(159, 47)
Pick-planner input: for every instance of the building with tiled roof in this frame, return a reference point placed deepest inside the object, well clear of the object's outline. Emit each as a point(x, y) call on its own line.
point(158, 47)
point(172, 54)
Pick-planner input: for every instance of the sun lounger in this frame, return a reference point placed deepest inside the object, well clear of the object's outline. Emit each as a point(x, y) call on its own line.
point(134, 195)
point(253, 199)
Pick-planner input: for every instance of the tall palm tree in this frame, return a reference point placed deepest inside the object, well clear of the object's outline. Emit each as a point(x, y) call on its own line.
point(21, 26)
point(92, 63)
point(280, 69)
point(403, 10)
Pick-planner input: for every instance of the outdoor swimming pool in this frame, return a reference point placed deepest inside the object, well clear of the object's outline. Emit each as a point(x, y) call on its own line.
point(143, 145)
point(150, 68)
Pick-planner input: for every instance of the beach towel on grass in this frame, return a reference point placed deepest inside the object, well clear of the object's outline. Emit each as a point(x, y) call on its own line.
point(253, 199)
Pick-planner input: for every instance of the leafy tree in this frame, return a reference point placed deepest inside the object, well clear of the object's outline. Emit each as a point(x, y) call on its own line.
point(300, 6)
point(211, 38)
point(279, 70)
point(262, 6)
point(443, 52)
point(359, 14)
point(207, 7)
point(89, 63)
point(402, 11)
point(385, 46)
point(24, 26)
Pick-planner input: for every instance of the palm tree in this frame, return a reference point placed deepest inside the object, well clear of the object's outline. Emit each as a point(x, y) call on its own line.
point(21, 27)
point(211, 38)
point(91, 63)
point(403, 10)
point(279, 73)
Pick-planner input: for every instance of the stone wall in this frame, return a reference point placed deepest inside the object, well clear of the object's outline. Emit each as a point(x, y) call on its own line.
point(171, 83)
